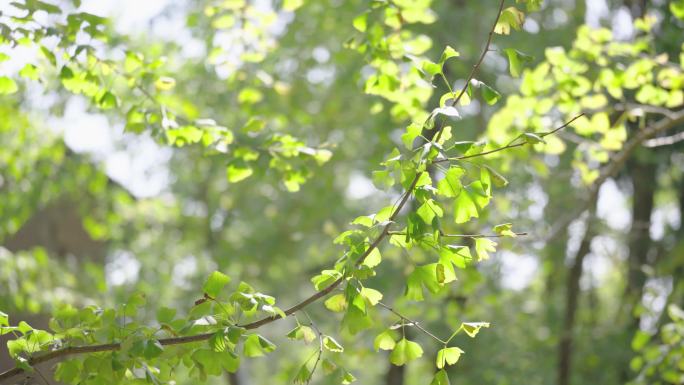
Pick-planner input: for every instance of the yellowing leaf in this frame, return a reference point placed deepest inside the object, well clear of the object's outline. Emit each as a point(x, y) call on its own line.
point(336, 303)
point(165, 83)
point(292, 5)
point(505, 229)
point(472, 328)
point(332, 345)
point(302, 332)
point(510, 17)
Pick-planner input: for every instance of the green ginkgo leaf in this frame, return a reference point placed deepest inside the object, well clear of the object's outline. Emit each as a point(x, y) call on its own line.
point(384, 341)
point(405, 351)
point(448, 356)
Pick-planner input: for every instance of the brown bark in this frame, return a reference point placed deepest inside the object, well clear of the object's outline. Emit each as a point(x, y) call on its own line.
point(58, 228)
point(676, 255)
point(572, 293)
point(395, 375)
point(643, 177)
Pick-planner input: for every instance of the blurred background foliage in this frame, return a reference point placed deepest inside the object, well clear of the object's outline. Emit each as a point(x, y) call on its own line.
point(590, 295)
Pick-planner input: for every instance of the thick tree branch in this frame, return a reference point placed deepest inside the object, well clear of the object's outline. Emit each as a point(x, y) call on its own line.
point(572, 293)
point(665, 140)
point(617, 161)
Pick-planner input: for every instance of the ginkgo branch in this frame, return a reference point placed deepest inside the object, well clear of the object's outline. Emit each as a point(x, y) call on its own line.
point(313, 298)
point(320, 346)
point(445, 235)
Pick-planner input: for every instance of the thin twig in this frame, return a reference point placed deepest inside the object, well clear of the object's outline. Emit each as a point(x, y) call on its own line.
point(412, 322)
point(482, 56)
point(480, 235)
point(475, 68)
point(42, 376)
point(320, 346)
point(464, 235)
point(508, 146)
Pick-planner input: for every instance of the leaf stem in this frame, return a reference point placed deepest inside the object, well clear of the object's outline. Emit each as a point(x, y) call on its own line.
point(411, 323)
point(508, 146)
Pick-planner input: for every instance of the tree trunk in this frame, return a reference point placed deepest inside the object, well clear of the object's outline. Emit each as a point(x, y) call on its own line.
point(643, 177)
point(572, 294)
point(395, 375)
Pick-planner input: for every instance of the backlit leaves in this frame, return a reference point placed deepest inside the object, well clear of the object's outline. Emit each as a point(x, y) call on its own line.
point(7, 86)
point(238, 171)
point(450, 186)
point(472, 199)
point(4, 319)
point(215, 283)
point(429, 210)
point(373, 259)
point(472, 328)
point(257, 346)
point(325, 279)
point(483, 246)
point(412, 132)
point(422, 276)
point(490, 95)
point(405, 351)
point(440, 378)
point(336, 303)
point(384, 341)
point(510, 17)
point(302, 332)
point(448, 356)
point(371, 295)
point(258, 140)
point(516, 61)
point(505, 229)
point(303, 375)
point(677, 8)
point(330, 344)
point(449, 111)
point(165, 83)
